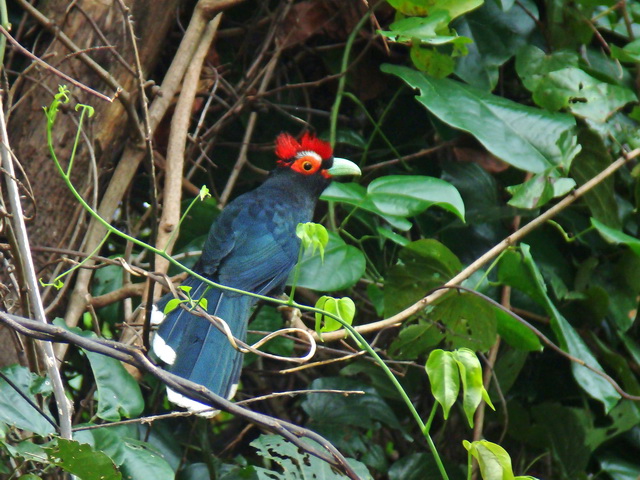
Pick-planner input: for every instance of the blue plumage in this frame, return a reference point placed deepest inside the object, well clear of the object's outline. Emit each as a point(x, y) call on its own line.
point(252, 246)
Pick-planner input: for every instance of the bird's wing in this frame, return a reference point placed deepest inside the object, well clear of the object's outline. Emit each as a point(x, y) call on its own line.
point(252, 246)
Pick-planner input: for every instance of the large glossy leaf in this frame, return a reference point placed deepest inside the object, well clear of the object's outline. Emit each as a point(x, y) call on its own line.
point(14, 410)
point(616, 236)
point(342, 267)
point(571, 87)
point(424, 264)
point(453, 8)
point(82, 461)
point(141, 462)
point(397, 196)
point(497, 34)
point(356, 195)
point(296, 464)
point(594, 158)
point(525, 137)
point(406, 196)
point(118, 393)
point(523, 273)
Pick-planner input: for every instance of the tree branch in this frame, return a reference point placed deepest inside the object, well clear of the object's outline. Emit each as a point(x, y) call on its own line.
point(135, 357)
point(33, 291)
point(492, 253)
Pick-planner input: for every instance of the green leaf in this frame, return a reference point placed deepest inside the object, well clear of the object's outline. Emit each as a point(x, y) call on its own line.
point(118, 393)
point(141, 462)
point(472, 385)
point(14, 410)
point(629, 53)
point(613, 235)
point(431, 61)
point(330, 411)
point(617, 467)
point(522, 272)
point(415, 340)
point(423, 265)
point(453, 8)
point(415, 466)
point(494, 461)
point(343, 308)
point(421, 29)
point(539, 190)
point(297, 464)
point(83, 461)
point(515, 333)
point(570, 87)
point(105, 440)
point(444, 377)
point(469, 321)
point(409, 195)
point(313, 236)
point(356, 195)
point(342, 267)
point(204, 193)
point(105, 280)
point(497, 34)
point(594, 158)
point(172, 305)
point(525, 137)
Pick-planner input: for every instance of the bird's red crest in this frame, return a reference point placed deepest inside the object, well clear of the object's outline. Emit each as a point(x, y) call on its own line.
point(288, 147)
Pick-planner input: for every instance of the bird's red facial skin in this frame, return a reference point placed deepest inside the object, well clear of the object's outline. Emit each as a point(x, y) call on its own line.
point(308, 165)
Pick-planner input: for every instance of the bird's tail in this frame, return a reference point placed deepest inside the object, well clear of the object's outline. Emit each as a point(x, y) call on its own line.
point(194, 349)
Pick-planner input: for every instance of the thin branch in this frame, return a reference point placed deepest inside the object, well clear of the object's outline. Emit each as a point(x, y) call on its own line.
point(492, 253)
point(545, 339)
point(54, 70)
point(133, 155)
point(26, 398)
point(169, 221)
point(22, 238)
point(134, 356)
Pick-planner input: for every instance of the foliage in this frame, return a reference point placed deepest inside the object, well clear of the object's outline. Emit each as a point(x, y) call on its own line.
point(482, 117)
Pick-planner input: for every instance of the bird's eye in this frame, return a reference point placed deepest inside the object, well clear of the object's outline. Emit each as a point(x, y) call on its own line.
point(307, 166)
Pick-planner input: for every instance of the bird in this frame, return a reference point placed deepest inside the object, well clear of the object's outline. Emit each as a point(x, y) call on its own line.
point(251, 246)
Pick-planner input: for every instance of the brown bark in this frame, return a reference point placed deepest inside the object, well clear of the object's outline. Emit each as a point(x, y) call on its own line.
point(99, 30)
point(56, 211)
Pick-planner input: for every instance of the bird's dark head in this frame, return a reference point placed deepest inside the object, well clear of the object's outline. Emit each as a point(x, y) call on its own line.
point(311, 157)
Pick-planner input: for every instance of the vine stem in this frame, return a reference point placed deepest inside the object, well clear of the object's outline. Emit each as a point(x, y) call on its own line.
point(51, 115)
point(22, 238)
point(493, 252)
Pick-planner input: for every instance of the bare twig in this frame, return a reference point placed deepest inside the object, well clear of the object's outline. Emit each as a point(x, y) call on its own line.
point(132, 355)
point(64, 407)
point(167, 233)
point(53, 70)
point(133, 154)
point(544, 338)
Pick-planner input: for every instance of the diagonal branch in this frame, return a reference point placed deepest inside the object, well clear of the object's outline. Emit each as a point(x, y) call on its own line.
point(135, 357)
point(492, 253)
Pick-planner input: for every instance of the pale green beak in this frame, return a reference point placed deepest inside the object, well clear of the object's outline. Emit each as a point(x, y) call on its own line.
point(342, 166)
